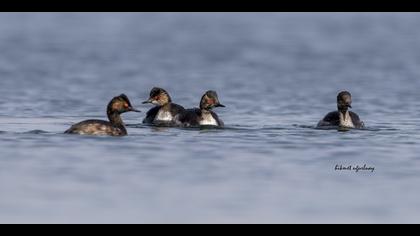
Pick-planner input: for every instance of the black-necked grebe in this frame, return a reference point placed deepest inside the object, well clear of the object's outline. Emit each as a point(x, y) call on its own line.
point(114, 127)
point(165, 112)
point(343, 117)
point(203, 116)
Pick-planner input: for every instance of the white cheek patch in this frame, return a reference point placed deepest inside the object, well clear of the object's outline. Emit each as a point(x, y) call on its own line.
point(154, 102)
point(164, 116)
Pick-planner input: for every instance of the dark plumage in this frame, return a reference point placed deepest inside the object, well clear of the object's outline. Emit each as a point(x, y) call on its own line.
point(342, 117)
point(97, 127)
point(114, 127)
point(165, 112)
point(151, 114)
point(192, 118)
point(333, 119)
point(203, 116)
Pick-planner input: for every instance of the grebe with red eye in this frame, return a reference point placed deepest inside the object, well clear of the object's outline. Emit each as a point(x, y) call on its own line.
point(114, 127)
point(203, 116)
point(165, 112)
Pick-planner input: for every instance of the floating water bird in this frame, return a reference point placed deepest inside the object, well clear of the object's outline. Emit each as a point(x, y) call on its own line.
point(203, 116)
point(114, 127)
point(165, 112)
point(342, 117)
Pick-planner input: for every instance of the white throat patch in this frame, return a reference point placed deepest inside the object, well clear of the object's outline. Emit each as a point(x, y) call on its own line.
point(164, 116)
point(346, 121)
point(208, 119)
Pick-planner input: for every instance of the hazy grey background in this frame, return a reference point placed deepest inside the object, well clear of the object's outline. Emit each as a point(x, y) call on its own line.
point(278, 74)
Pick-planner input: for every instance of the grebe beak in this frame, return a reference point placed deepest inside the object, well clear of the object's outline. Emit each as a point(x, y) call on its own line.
point(147, 102)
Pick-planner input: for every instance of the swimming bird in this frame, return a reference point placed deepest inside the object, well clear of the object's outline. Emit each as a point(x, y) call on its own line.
point(203, 116)
point(342, 117)
point(165, 112)
point(114, 127)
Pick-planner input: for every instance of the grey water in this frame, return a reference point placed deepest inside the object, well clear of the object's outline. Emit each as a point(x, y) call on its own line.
point(277, 73)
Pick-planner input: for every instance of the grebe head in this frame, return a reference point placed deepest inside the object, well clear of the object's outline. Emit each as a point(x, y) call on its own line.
point(344, 101)
point(158, 97)
point(120, 104)
point(210, 100)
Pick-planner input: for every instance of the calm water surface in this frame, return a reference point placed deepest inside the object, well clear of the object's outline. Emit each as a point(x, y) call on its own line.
point(278, 74)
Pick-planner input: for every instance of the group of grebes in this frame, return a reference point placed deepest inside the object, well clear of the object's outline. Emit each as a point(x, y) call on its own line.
point(167, 113)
